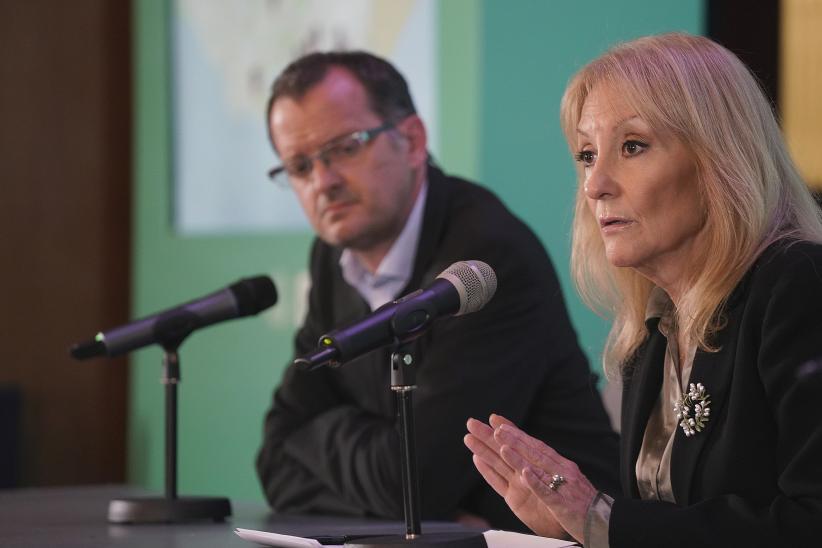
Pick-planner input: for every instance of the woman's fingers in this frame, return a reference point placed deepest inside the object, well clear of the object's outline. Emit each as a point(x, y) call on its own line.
point(538, 481)
point(513, 458)
point(481, 450)
point(482, 432)
point(480, 440)
point(526, 473)
point(498, 420)
point(568, 499)
point(494, 479)
point(532, 450)
point(518, 449)
point(511, 435)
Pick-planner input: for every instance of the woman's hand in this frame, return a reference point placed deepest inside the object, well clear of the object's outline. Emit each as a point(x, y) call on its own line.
point(506, 481)
point(521, 469)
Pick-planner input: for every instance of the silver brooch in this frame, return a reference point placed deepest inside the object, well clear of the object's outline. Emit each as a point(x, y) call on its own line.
point(693, 410)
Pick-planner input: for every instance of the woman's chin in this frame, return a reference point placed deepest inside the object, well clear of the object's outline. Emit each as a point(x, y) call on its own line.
point(619, 258)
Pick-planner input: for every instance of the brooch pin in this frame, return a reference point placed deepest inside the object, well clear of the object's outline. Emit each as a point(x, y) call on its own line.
point(693, 410)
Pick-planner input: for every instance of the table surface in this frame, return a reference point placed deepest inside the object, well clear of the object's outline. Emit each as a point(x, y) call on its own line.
point(68, 517)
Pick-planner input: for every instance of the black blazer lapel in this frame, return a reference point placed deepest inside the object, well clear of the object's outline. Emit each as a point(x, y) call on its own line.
point(714, 370)
point(641, 387)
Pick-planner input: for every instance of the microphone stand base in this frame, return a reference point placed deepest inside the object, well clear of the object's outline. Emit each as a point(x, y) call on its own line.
point(450, 540)
point(167, 510)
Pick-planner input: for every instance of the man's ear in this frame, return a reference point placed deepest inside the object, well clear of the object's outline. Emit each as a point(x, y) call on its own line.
point(413, 129)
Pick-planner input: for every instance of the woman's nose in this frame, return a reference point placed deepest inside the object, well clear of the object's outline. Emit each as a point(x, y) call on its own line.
point(599, 182)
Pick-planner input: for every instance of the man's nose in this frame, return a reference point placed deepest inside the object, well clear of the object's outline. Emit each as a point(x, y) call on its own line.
point(324, 176)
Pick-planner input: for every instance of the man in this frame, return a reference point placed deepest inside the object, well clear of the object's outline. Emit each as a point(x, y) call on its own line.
point(388, 221)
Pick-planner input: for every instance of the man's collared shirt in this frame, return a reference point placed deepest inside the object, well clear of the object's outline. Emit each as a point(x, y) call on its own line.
point(395, 268)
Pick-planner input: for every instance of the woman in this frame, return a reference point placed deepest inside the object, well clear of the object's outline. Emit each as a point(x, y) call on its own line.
point(693, 229)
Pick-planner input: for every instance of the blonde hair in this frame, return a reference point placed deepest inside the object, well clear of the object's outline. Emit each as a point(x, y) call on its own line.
point(703, 95)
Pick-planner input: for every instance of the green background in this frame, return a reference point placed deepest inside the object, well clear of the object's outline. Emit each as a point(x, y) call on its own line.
point(503, 66)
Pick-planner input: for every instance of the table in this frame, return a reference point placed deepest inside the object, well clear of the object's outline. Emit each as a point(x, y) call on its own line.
point(75, 517)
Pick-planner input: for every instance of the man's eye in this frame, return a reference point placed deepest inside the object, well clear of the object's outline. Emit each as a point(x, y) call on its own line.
point(347, 148)
point(299, 167)
point(585, 157)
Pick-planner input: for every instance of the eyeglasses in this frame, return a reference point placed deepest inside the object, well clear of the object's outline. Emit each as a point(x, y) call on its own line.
point(296, 171)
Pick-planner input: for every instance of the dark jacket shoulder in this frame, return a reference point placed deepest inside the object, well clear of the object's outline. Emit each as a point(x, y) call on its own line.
point(788, 259)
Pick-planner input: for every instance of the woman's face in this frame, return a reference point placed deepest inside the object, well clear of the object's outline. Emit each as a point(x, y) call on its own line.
point(641, 188)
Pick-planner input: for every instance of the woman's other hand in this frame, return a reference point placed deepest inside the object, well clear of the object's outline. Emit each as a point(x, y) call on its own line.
point(506, 480)
point(539, 467)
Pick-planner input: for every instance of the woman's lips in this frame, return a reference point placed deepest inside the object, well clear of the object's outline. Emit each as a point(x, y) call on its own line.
point(610, 225)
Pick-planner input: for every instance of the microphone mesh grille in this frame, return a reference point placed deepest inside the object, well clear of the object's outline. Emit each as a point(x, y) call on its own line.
point(478, 284)
point(254, 294)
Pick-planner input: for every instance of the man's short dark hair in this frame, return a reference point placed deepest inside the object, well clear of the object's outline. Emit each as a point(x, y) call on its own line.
point(387, 90)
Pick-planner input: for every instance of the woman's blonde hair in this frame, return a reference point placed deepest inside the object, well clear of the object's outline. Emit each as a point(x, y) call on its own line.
point(703, 95)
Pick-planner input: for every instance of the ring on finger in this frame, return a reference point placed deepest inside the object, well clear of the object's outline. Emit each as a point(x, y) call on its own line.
point(556, 481)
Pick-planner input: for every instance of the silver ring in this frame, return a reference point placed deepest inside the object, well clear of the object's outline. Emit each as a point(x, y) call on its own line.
point(556, 481)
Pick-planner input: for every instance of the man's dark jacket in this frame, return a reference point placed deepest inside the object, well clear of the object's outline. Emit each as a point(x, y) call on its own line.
point(331, 441)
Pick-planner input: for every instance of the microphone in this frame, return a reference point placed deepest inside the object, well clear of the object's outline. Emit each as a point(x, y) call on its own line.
point(462, 288)
point(243, 298)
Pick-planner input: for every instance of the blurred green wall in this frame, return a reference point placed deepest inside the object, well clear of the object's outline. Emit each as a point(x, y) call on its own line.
point(503, 67)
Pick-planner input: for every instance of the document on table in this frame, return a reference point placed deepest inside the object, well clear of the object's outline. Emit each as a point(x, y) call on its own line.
point(494, 539)
point(502, 539)
point(283, 541)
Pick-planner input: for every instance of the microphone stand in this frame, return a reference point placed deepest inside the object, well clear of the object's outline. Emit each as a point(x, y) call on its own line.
point(171, 508)
point(403, 384)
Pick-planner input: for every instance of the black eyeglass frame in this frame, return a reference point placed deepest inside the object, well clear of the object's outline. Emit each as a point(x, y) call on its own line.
point(362, 137)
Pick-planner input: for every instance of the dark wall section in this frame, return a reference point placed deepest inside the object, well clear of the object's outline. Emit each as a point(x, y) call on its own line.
point(65, 122)
point(751, 30)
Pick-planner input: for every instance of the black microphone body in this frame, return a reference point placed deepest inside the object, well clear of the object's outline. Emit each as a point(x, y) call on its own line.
point(407, 318)
point(399, 321)
point(169, 327)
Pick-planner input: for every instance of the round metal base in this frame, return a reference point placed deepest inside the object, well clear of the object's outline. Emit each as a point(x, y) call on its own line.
point(451, 540)
point(163, 510)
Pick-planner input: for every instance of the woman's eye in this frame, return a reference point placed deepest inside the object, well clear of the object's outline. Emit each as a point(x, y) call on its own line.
point(632, 148)
point(585, 157)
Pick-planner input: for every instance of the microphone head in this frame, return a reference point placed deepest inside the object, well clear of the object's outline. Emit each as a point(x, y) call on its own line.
point(88, 349)
point(254, 294)
point(475, 282)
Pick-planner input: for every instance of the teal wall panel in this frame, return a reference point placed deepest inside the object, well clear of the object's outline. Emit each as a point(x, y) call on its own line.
point(530, 50)
point(503, 66)
point(227, 371)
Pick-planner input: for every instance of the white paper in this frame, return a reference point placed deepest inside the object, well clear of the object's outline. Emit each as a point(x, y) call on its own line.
point(281, 541)
point(507, 539)
point(494, 539)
